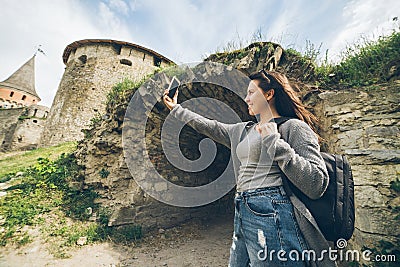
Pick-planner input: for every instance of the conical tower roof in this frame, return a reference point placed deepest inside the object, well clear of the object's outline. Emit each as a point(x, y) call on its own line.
point(23, 79)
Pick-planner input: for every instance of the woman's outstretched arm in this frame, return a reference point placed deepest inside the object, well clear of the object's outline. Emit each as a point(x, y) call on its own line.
point(218, 131)
point(299, 158)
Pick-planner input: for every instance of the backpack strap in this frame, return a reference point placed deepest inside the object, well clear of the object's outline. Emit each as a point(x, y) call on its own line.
point(279, 121)
point(249, 124)
point(246, 129)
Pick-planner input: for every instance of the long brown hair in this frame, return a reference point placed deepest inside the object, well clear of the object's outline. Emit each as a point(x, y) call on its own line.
point(287, 102)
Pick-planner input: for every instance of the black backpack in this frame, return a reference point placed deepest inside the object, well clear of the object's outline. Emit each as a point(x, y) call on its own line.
point(334, 211)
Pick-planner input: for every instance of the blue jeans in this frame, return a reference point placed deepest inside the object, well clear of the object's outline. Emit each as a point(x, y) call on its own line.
point(266, 232)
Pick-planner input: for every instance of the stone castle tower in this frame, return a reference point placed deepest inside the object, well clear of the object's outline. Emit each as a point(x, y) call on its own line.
point(93, 67)
point(18, 90)
point(21, 119)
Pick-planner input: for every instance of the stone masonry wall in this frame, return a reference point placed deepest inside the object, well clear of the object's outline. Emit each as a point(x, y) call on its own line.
point(364, 125)
point(8, 122)
point(91, 71)
point(24, 127)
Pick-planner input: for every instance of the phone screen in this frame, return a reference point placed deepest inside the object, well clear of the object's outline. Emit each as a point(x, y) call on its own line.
point(173, 86)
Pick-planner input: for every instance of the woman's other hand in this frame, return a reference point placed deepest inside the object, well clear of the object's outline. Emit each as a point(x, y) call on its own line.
point(267, 128)
point(170, 103)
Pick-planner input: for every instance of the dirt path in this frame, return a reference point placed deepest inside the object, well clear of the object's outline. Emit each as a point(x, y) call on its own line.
point(194, 244)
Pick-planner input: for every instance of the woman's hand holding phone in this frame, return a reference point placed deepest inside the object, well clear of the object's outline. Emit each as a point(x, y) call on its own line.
point(170, 96)
point(170, 102)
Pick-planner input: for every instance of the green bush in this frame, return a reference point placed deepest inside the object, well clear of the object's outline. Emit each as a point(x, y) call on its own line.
point(44, 188)
point(104, 173)
point(369, 62)
point(124, 89)
point(395, 185)
point(119, 91)
point(363, 63)
point(37, 192)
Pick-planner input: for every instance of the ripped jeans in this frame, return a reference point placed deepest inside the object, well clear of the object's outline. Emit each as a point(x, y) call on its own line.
point(266, 232)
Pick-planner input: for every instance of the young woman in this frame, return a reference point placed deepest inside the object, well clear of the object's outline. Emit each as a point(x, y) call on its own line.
point(270, 229)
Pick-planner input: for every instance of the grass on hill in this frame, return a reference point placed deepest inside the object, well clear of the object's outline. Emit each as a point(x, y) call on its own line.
point(42, 198)
point(362, 63)
point(18, 162)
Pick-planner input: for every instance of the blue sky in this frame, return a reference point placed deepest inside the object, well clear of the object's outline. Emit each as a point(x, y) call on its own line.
point(182, 30)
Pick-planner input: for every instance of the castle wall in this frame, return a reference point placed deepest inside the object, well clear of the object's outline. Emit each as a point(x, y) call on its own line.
point(38, 111)
point(24, 127)
point(27, 134)
point(91, 72)
point(8, 122)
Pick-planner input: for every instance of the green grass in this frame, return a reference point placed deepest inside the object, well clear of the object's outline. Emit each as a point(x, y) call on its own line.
point(395, 185)
point(237, 43)
point(16, 163)
point(171, 71)
point(43, 198)
point(364, 63)
point(42, 187)
point(120, 90)
point(125, 88)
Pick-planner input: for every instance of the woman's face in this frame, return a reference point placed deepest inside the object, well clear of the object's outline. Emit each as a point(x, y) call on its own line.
point(255, 99)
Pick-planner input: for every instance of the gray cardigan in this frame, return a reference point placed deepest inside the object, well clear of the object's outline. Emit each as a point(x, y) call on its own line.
point(298, 157)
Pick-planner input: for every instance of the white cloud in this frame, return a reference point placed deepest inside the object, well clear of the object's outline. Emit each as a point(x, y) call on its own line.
point(110, 22)
point(120, 6)
point(364, 17)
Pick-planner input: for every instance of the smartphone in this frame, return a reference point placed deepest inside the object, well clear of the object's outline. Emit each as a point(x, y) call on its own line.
point(173, 86)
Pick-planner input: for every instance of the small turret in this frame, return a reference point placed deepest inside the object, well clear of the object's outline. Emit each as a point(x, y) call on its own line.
point(18, 90)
